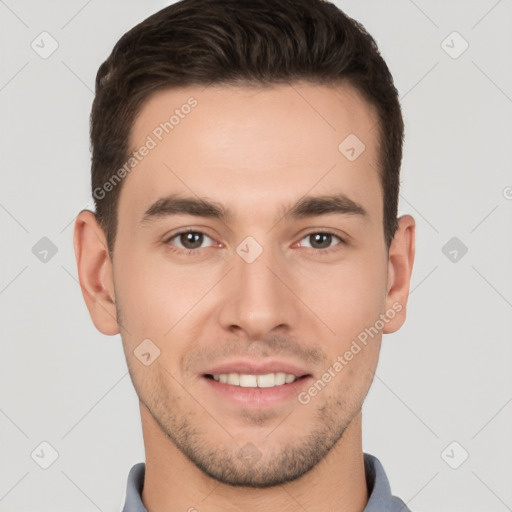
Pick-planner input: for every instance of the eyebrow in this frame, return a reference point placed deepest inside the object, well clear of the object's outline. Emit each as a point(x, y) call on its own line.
point(307, 206)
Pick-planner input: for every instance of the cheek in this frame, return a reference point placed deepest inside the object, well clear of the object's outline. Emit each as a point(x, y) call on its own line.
point(156, 296)
point(155, 301)
point(348, 298)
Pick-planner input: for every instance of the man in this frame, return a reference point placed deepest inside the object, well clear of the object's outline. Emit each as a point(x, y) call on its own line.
point(246, 246)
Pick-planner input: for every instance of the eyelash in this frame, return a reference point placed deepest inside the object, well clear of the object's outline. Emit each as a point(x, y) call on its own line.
point(196, 252)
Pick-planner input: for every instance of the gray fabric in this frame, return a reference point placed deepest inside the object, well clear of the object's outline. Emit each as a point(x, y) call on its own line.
point(379, 492)
point(380, 498)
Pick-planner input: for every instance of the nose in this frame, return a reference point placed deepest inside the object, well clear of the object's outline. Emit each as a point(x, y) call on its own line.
point(258, 296)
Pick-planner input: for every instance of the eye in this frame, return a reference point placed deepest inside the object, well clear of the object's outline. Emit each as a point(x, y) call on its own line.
point(188, 240)
point(321, 240)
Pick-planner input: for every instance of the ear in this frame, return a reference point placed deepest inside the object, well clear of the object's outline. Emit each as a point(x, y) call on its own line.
point(400, 262)
point(95, 272)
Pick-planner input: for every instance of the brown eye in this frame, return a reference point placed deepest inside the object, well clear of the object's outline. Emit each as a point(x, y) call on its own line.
point(321, 240)
point(191, 240)
point(188, 240)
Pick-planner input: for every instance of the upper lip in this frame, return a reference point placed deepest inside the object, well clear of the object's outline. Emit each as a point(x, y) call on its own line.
point(249, 367)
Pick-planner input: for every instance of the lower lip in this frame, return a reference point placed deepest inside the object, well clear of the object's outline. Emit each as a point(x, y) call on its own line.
point(258, 397)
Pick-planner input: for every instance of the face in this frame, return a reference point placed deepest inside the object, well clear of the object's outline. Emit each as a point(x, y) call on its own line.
point(250, 257)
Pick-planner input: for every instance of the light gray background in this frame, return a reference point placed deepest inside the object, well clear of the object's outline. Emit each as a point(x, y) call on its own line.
point(444, 377)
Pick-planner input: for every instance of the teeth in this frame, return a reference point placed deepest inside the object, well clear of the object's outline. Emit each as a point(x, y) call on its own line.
point(280, 378)
point(267, 381)
point(243, 380)
point(233, 378)
point(248, 381)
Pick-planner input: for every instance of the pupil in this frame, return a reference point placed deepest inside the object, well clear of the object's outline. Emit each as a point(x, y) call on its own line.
point(187, 238)
point(326, 236)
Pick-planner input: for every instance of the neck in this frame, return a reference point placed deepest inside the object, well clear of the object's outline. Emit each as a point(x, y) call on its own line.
point(173, 483)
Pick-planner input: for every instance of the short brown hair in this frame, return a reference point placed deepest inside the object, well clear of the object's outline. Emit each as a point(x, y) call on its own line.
point(238, 42)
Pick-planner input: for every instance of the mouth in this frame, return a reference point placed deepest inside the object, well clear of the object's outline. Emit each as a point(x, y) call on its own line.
point(252, 385)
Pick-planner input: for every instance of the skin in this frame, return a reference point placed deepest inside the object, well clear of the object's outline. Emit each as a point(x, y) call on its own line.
point(256, 151)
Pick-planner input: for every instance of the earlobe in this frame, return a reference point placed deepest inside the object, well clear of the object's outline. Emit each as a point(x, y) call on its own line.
point(400, 264)
point(95, 272)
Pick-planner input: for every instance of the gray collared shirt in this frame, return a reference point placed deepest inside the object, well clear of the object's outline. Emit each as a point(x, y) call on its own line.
point(380, 498)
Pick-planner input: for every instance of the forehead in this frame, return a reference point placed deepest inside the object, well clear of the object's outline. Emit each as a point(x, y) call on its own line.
point(252, 146)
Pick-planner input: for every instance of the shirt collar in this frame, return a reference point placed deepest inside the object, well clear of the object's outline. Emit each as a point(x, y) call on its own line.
point(379, 491)
point(380, 498)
